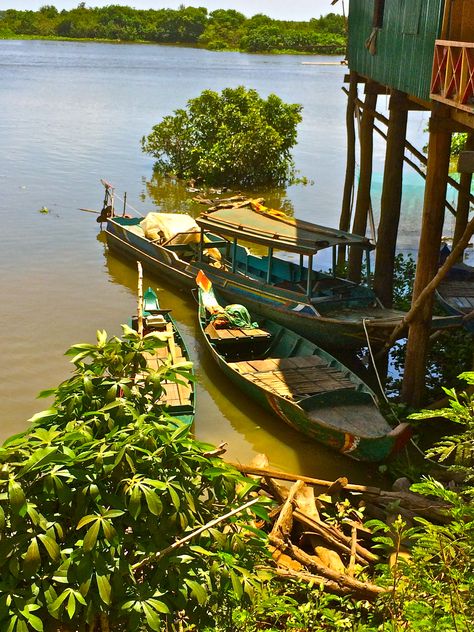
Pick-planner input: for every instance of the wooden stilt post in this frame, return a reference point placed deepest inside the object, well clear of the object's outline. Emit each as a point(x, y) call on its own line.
point(359, 226)
point(347, 198)
point(439, 147)
point(464, 197)
point(391, 198)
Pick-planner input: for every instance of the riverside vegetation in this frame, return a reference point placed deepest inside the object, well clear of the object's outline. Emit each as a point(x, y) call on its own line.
point(222, 29)
point(98, 496)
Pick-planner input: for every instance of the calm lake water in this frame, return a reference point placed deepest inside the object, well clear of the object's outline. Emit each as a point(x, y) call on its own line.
point(72, 113)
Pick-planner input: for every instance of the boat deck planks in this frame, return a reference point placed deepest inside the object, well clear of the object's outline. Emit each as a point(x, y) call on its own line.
point(232, 334)
point(174, 394)
point(294, 377)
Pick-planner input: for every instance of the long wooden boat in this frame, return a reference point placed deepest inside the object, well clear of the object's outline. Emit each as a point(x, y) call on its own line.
point(295, 379)
point(328, 310)
point(178, 399)
point(456, 294)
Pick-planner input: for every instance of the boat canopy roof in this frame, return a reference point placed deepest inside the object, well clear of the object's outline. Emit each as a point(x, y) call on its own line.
point(283, 233)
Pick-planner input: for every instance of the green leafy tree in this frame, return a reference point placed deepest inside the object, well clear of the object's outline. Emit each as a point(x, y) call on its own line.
point(94, 497)
point(235, 137)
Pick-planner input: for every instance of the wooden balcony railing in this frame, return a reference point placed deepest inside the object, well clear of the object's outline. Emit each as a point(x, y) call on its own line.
point(452, 81)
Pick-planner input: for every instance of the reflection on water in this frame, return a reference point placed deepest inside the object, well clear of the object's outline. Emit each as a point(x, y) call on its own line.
point(172, 195)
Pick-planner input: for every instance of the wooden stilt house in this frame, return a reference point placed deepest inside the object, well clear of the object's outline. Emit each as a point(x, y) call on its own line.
point(421, 53)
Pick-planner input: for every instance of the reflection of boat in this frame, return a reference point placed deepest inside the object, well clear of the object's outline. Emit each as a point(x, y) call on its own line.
point(178, 397)
point(292, 377)
point(456, 292)
point(322, 307)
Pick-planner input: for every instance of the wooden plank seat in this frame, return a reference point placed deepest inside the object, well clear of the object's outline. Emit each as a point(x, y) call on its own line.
point(174, 394)
point(294, 377)
point(238, 333)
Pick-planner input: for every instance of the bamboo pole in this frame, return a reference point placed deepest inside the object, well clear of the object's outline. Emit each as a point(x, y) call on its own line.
point(359, 227)
point(348, 195)
point(140, 300)
point(411, 148)
point(190, 536)
point(464, 202)
point(287, 476)
point(391, 199)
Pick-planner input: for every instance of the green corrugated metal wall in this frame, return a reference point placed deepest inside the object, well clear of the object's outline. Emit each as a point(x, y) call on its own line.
point(405, 44)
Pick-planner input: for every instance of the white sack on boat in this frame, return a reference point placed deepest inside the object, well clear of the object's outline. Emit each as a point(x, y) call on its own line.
point(177, 226)
point(165, 226)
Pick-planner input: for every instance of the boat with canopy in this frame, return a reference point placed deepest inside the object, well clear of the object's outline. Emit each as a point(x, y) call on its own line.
point(282, 284)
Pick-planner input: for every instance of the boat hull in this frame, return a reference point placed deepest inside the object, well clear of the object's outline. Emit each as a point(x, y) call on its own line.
point(351, 329)
point(303, 385)
point(359, 448)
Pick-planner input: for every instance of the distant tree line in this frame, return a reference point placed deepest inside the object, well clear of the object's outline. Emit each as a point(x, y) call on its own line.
point(218, 30)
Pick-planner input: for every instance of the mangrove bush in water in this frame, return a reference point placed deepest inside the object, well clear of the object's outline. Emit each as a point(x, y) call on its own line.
point(235, 137)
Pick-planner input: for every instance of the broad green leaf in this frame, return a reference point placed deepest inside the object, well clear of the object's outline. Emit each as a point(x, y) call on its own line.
point(158, 605)
point(236, 585)
point(128, 331)
point(71, 605)
point(261, 512)
point(104, 587)
point(198, 591)
point(44, 414)
point(113, 513)
point(46, 393)
point(32, 557)
point(33, 620)
point(179, 433)
point(153, 501)
point(152, 617)
point(60, 575)
point(57, 603)
point(101, 337)
point(109, 530)
point(50, 545)
point(134, 505)
point(16, 496)
point(90, 538)
point(40, 457)
point(174, 498)
point(200, 550)
point(2, 519)
point(86, 520)
point(21, 626)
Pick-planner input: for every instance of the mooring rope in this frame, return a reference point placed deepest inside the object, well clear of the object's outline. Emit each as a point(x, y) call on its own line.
point(382, 390)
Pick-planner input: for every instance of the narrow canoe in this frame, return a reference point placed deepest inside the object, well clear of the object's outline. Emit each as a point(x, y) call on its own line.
point(178, 400)
point(305, 386)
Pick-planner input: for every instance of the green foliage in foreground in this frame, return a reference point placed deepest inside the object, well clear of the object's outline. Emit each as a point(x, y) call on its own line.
point(235, 137)
point(98, 487)
point(95, 494)
point(223, 29)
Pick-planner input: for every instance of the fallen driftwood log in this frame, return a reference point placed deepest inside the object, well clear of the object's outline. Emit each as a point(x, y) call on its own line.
point(386, 501)
point(317, 538)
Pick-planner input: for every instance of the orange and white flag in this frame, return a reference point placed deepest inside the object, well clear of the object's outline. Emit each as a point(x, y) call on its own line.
point(203, 282)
